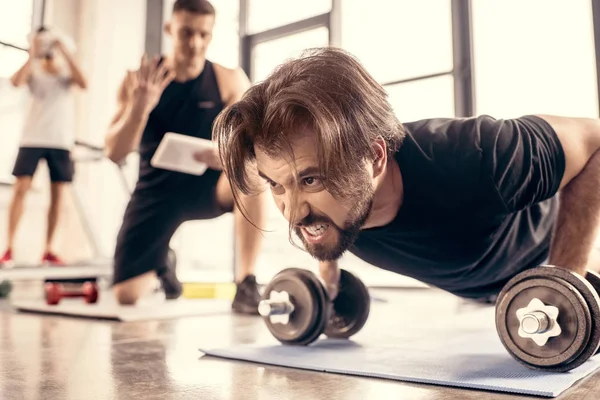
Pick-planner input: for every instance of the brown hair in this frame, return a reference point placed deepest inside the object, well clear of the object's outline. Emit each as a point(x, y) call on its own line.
point(202, 7)
point(325, 89)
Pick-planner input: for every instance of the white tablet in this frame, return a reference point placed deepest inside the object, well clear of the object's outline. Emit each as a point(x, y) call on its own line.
point(176, 153)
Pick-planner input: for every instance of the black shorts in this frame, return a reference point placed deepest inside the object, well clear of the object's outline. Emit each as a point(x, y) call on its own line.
point(59, 162)
point(149, 223)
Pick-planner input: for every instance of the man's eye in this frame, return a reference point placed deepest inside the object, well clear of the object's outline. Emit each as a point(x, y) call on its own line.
point(311, 181)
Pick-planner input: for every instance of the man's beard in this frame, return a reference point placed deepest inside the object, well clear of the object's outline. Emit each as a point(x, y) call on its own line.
point(347, 235)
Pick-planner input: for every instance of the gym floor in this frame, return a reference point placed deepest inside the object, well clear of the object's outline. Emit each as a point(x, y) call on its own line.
point(48, 357)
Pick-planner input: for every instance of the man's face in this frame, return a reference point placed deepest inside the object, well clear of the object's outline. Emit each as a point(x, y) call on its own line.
point(42, 45)
point(191, 34)
point(326, 225)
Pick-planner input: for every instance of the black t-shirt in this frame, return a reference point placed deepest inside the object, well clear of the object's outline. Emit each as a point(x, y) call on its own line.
point(479, 203)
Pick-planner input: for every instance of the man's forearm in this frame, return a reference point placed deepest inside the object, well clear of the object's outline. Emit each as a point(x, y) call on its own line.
point(76, 74)
point(124, 135)
point(330, 274)
point(578, 220)
point(22, 74)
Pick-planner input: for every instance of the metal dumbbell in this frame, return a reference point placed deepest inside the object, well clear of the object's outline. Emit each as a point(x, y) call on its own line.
point(548, 318)
point(297, 310)
point(55, 292)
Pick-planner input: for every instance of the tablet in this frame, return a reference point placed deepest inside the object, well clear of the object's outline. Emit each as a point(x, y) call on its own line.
point(176, 153)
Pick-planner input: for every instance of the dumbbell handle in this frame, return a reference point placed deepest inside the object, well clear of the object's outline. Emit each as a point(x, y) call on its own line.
point(535, 322)
point(267, 308)
point(73, 294)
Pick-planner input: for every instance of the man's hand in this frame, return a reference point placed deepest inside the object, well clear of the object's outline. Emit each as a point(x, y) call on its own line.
point(330, 274)
point(34, 47)
point(59, 45)
point(147, 84)
point(210, 158)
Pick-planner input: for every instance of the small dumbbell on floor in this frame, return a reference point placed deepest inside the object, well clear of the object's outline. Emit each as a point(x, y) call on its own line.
point(55, 292)
point(548, 318)
point(297, 310)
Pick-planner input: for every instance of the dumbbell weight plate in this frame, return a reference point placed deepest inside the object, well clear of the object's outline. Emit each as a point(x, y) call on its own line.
point(53, 291)
point(324, 310)
point(307, 321)
point(90, 290)
point(594, 279)
point(351, 307)
point(578, 312)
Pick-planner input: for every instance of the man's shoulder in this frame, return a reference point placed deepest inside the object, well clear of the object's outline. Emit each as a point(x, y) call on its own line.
point(444, 149)
point(232, 81)
point(227, 73)
point(450, 126)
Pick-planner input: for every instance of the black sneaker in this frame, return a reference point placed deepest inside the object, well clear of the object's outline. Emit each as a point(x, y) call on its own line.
point(171, 285)
point(168, 278)
point(246, 297)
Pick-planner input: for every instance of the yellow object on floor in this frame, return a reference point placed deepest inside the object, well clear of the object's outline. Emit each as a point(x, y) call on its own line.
point(206, 290)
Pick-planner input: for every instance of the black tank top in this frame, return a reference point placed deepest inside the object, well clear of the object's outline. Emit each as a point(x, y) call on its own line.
point(188, 108)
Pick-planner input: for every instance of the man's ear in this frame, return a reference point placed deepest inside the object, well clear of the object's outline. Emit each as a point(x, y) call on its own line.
point(380, 156)
point(168, 28)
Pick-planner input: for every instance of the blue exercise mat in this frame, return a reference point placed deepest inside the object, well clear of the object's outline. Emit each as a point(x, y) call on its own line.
point(471, 359)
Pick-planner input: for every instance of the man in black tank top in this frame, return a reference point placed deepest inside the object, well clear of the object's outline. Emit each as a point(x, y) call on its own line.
point(183, 93)
point(462, 204)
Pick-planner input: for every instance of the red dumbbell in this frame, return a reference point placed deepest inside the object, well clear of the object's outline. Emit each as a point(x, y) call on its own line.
point(55, 292)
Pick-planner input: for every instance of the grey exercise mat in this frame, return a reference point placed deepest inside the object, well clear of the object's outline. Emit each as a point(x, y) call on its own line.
point(153, 308)
point(470, 359)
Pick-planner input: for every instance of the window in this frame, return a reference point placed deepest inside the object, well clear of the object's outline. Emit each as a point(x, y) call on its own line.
point(225, 45)
point(15, 21)
point(427, 98)
point(268, 14)
point(12, 60)
point(399, 39)
point(544, 62)
point(268, 55)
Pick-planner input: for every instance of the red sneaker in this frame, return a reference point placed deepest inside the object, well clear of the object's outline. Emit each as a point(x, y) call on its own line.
point(50, 258)
point(6, 260)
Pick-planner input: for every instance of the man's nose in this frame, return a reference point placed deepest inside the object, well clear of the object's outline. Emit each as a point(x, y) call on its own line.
point(196, 42)
point(295, 209)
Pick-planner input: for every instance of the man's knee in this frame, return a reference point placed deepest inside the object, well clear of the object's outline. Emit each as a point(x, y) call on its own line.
point(130, 291)
point(21, 187)
point(124, 296)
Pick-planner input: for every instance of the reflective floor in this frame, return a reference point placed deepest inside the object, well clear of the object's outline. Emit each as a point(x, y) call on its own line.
point(46, 357)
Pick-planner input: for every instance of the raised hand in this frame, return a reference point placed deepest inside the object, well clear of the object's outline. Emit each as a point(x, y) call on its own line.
point(147, 84)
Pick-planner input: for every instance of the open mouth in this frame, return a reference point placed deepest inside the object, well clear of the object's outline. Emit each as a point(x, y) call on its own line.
point(315, 233)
